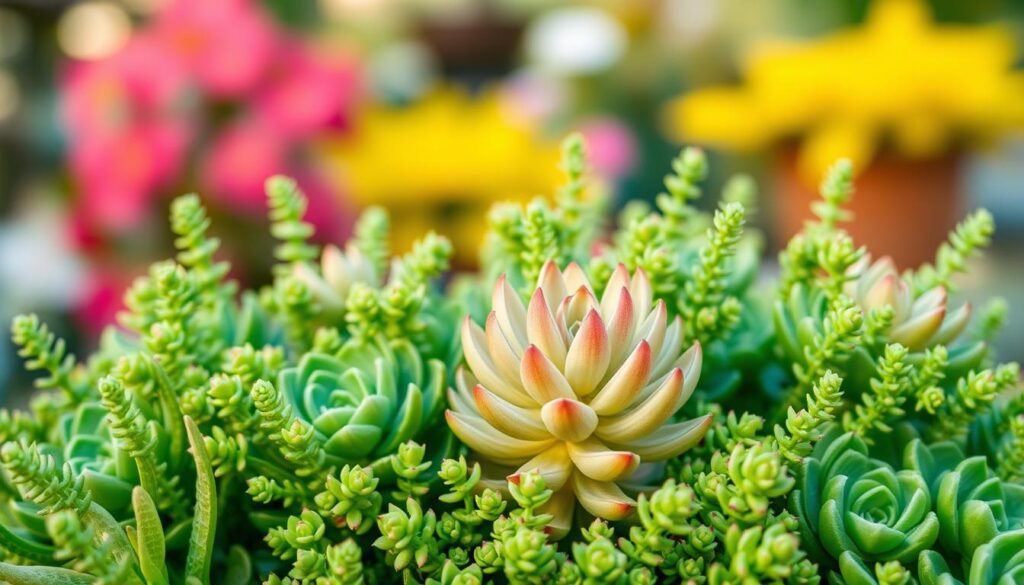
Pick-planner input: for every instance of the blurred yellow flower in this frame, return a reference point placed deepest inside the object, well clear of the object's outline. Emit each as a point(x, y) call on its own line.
point(898, 81)
point(443, 161)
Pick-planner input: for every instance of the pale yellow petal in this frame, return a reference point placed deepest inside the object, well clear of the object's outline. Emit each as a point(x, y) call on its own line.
point(541, 379)
point(553, 285)
point(576, 306)
point(575, 278)
point(326, 296)
point(568, 419)
point(474, 346)
point(620, 328)
point(916, 331)
point(553, 464)
point(460, 398)
point(587, 360)
point(481, 437)
point(623, 387)
point(522, 423)
point(643, 295)
point(648, 415)
point(505, 358)
point(669, 440)
point(952, 327)
point(602, 498)
point(595, 460)
point(670, 348)
point(653, 328)
point(932, 299)
point(511, 313)
point(618, 282)
point(882, 294)
point(335, 268)
point(561, 507)
point(543, 332)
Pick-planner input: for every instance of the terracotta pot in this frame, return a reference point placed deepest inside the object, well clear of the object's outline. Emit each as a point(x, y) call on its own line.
point(902, 208)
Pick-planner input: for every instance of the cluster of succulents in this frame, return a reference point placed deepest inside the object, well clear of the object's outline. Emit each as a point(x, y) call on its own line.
point(595, 406)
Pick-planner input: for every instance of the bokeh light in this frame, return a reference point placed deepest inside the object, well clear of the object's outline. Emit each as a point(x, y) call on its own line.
point(10, 95)
point(93, 30)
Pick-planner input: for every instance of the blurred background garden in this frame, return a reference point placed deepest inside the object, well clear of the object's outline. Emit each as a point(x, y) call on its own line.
point(436, 109)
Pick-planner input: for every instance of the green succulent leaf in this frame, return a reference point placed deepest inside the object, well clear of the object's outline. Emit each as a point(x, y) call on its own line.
point(204, 521)
point(38, 575)
point(149, 538)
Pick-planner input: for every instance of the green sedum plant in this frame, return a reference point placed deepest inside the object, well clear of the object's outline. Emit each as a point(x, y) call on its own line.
point(624, 406)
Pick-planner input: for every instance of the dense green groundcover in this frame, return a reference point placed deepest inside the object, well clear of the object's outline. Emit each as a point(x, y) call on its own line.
point(595, 406)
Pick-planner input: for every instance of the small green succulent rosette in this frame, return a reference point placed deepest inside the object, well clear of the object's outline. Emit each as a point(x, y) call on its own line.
point(848, 502)
point(998, 562)
point(107, 471)
point(368, 399)
point(82, 441)
point(973, 504)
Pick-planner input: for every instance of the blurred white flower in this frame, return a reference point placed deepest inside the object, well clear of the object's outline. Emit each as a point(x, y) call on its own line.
point(38, 266)
point(575, 41)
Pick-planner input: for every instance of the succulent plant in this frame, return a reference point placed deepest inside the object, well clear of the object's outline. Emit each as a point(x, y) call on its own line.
point(339, 272)
point(918, 321)
point(847, 501)
point(999, 561)
point(971, 502)
point(580, 388)
point(309, 393)
point(367, 400)
point(994, 563)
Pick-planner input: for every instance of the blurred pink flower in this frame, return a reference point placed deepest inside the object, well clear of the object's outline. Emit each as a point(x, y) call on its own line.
point(128, 130)
point(142, 82)
point(102, 299)
point(307, 92)
point(238, 162)
point(118, 172)
point(227, 43)
point(244, 156)
point(611, 146)
point(327, 212)
point(135, 120)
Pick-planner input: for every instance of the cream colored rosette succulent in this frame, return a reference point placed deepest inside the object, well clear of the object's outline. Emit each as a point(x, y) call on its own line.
point(339, 271)
point(918, 322)
point(580, 389)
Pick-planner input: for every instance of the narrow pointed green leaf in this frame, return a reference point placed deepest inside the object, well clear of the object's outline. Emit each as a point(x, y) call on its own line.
point(133, 537)
point(204, 521)
point(150, 538)
point(171, 415)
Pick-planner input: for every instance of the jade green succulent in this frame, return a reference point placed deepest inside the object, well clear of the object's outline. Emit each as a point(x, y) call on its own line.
point(847, 501)
point(994, 563)
point(972, 503)
point(367, 399)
